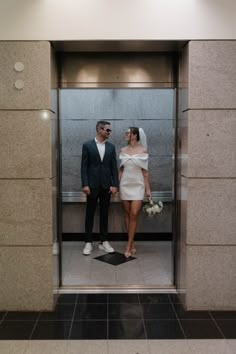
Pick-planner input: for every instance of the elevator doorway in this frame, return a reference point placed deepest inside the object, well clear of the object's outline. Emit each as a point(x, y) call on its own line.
point(143, 97)
point(153, 110)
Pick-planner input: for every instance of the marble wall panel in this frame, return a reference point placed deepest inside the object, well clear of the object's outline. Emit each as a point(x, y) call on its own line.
point(36, 77)
point(74, 216)
point(97, 104)
point(212, 74)
point(26, 279)
point(211, 207)
point(211, 278)
point(27, 212)
point(211, 143)
point(28, 146)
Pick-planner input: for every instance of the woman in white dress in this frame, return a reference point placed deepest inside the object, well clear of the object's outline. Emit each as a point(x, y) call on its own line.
point(134, 181)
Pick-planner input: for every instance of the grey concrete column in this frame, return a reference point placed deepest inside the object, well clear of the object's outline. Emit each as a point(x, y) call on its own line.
point(27, 176)
point(207, 179)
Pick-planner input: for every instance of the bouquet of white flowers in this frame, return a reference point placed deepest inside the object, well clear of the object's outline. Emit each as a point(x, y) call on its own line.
point(153, 208)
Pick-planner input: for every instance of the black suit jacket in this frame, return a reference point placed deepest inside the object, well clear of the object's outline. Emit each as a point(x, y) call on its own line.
point(96, 173)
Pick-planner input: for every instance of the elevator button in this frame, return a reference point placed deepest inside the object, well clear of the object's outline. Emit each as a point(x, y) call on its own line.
point(19, 84)
point(19, 66)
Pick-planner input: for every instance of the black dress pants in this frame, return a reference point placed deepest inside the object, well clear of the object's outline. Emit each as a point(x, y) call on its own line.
point(104, 196)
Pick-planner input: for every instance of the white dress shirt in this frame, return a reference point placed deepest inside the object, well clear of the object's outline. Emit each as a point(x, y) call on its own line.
point(101, 148)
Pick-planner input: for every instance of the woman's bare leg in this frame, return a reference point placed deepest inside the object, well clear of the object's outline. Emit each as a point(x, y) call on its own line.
point(135, 206)
point(126, 206)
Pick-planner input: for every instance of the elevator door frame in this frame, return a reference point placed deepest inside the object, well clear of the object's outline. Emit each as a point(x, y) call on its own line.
point(175, 223)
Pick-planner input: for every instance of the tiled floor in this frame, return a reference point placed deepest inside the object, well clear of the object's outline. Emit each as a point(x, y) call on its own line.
point(152, 265)
point(118, 317)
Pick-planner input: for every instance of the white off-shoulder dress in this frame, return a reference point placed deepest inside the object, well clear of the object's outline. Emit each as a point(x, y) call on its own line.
point(132, 182)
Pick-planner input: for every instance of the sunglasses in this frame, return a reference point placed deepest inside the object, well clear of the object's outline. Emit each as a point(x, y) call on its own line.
point(107, 130)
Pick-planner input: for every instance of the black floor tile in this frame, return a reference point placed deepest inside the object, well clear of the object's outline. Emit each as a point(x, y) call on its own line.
point(118, 316)
point(89, 330)
point(228, 328)
point(158, 311)
point(21, 316)
point(67, 299)
point(124, 311)
point(163, 329)
point(61, 313)
point(174, 298)
point(16, 329)
point(2, 314)
point(51, 330)
point(224, 315)
point(126, 329)
point(183, 314)
point(91, 312)
point(200, 329)
point(92, 298)
point(154, 298)
point(123, 298)
point(114, 259)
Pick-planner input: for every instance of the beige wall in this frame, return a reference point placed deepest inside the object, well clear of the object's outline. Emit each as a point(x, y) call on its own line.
point(27, 176)
point(207, 246)
point(117, 20)
point(207, 179)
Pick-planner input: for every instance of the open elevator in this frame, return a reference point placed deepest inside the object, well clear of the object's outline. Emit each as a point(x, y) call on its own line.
point(126, 88)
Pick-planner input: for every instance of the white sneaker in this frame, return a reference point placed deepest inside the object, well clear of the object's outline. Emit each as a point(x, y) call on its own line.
point(105, 246)
point(87, 249)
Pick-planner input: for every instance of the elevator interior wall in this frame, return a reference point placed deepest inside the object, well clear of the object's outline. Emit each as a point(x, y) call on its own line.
point(151, 109)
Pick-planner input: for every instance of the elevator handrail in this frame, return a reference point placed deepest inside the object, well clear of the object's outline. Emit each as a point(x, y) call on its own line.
point(79, 197)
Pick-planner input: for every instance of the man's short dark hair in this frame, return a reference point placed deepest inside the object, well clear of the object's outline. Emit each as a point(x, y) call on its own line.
point(101, 124)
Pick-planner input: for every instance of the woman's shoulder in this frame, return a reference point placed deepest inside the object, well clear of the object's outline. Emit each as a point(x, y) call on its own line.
point(139, 149)
point(123, 149)
point(143, 150)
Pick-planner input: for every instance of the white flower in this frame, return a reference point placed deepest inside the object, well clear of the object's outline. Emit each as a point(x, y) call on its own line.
point(149, 211)
point(153, 208)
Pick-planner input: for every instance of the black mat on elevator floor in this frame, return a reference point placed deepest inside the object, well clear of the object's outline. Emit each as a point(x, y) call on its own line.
point(115, 258)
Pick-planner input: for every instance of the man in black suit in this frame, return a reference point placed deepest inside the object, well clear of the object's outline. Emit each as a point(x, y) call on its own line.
point(99, 175)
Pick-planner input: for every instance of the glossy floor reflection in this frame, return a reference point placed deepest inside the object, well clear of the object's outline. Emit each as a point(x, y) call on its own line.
point(118, 317)
point(152, 265)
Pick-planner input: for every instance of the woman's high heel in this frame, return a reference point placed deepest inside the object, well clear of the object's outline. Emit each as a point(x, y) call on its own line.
point(127, 254)
point(133, 251)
